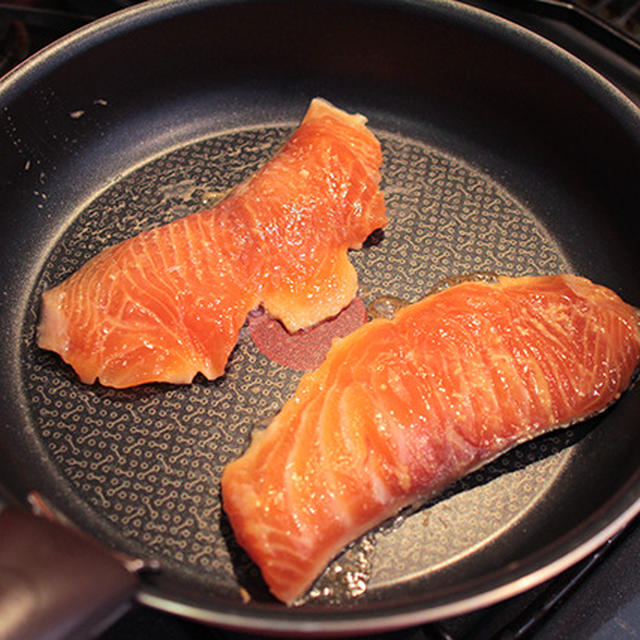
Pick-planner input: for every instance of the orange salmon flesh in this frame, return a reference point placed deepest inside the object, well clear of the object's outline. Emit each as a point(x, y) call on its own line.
point(402, 408)
point(170, 302)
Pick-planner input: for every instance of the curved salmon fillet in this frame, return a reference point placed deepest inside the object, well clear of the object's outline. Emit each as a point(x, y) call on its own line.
point(170, 302)
point(401, 408)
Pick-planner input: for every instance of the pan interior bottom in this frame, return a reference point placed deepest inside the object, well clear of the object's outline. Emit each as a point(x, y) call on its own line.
point(140, 468)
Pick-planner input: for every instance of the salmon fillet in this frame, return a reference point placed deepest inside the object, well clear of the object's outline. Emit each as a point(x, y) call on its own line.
point(170, 302)
point(402, 408)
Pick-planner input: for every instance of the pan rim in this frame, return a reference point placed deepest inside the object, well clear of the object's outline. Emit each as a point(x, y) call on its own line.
point(310, 624)
point(520, 580)
point(137, 15)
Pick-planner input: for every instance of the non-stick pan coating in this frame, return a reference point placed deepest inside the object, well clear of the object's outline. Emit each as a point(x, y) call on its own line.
point(500, 154)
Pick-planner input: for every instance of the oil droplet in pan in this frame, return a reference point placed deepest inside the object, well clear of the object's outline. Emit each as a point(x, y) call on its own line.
point(385, 307)
point(350, 574)
point(451, 281)
point(347, 577)
point(210, 198)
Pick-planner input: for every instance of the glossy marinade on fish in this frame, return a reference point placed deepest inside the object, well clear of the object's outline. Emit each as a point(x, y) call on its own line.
point(402, 408)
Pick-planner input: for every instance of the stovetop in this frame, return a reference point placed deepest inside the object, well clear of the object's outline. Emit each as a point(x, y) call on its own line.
point(599, 598)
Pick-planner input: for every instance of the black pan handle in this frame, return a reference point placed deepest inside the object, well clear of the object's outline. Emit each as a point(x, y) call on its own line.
point(55, 582)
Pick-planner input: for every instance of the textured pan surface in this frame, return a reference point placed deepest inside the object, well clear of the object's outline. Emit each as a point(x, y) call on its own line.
point(477, 177)
point(149, 460)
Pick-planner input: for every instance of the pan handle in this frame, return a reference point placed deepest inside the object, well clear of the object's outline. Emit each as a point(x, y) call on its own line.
point(55, 582)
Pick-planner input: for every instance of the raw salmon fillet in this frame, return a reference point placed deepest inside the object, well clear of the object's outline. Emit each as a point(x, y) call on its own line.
point(402, 408)
point(170, 302)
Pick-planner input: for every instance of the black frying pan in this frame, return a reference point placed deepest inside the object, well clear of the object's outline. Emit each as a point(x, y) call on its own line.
point(502, 153)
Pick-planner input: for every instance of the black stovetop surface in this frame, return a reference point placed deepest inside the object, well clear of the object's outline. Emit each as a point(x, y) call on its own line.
point(597, 599)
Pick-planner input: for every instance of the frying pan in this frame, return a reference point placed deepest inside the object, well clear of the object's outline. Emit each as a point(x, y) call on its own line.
point(502, 153)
